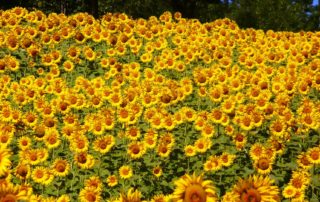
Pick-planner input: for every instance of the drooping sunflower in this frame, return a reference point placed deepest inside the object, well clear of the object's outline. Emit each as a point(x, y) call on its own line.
point(256, 188)
point(194, 188)
point(84, 160)
point(22, 171)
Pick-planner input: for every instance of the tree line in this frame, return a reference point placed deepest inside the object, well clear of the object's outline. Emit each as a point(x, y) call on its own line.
point(284, 15)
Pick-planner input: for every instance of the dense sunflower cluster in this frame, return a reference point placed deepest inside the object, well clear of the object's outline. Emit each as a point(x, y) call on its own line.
point(121, 109)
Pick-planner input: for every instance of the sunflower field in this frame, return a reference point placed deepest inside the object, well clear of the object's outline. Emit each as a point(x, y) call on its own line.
point(159, 109)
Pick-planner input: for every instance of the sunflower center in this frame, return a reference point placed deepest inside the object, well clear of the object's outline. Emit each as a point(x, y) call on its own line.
point(251, 195)
point(60, 167)
point(195, 193)
point(263, 164)
point(9, 198)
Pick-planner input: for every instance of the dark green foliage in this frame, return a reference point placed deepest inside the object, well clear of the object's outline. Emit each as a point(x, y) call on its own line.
point(284, 15)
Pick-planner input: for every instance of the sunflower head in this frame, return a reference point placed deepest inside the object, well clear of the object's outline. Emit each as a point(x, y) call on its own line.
point(194, 188)
point(256, 188)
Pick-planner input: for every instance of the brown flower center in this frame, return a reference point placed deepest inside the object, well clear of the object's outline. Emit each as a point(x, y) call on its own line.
point(195, 193)
point(251, 195)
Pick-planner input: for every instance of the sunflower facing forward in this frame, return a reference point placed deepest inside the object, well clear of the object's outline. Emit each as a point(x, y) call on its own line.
point(194, 188)
point(256, 188)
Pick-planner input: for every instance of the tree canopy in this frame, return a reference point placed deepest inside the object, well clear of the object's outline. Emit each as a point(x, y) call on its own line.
point(285, 15)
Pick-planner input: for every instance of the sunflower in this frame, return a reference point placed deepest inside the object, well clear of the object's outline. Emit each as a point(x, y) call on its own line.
point(6, 138)
point(157, 171)
point(97, 128)
point(40, 174)
point(5, 162)
point(94, 182)
point(84, 160)
point(39, 132)
point(227, 159)
point(190, 150)
point(123, 115)
point(68, 66)
point(246, 122)
point(89, 194)
point(202, 144)
point(240, 140)
point(30, 155)
point(256, 188)
point(104, 144)
point(278, 128)
point(136, 150)
point(22, 171)
point(64, 198)
point(289, 191)
point(79, 143)
point(150, 139)
point(125, 172)
point(112, 180)
point(214, 163)
point(300, 179)
point(60, 167)
point(163, 150)
point(263, 165)
point(52, 139)
point(256, 151)
point(89, 54)
point(12, 63)
point(229, 197)
point(42, 154)
point(208, 130)
point(313, 155)
point(303, 161)
point(132, 196)
point(159, 198)
point(73, 52)
point(133, 133)
point(11, 192)
point(194, 188)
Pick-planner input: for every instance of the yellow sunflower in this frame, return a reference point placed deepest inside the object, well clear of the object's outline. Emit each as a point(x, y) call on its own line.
point(112, 180)
point(10, 192)
point(193, 188)
point(134, 196)
point(136, 150)
point(89, 194)
point(289, 191)
point(125, 172)
point(5, 162)
point(263, 165)
point(256, 188)
point(60, 167)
